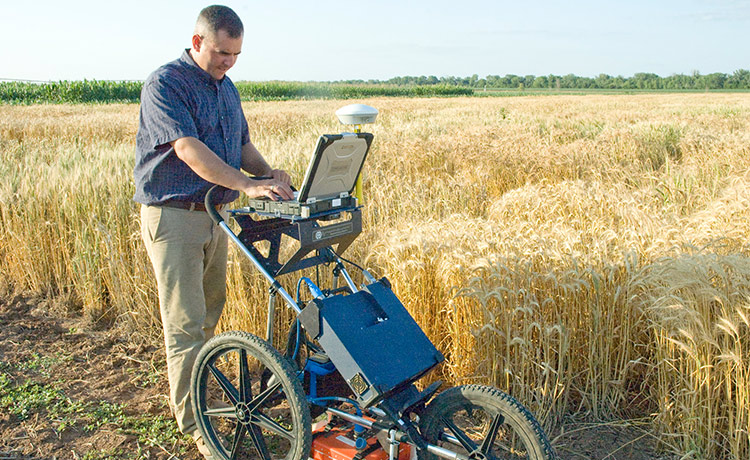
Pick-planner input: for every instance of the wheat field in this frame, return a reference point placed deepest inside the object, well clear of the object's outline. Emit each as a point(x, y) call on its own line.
point(587, 254)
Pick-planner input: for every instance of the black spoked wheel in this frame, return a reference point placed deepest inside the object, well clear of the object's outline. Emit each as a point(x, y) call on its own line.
point(483, 423)
point(248, 402)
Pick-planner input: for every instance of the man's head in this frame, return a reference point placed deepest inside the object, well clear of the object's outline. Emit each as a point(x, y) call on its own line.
point(217, 40)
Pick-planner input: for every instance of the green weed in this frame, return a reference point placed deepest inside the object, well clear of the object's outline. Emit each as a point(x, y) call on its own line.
point(43, 364)
point(105, 454)
point(22, 400)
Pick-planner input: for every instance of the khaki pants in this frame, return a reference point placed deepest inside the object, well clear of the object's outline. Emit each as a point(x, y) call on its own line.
point(189, 255)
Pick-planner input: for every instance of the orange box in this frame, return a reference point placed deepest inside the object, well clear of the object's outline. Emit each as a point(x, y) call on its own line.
point(338, 444)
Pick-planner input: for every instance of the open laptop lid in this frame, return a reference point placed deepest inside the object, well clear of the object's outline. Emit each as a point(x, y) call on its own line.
point(335, 166)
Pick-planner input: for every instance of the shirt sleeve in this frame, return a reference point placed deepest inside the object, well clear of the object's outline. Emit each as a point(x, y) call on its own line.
point(165, 112)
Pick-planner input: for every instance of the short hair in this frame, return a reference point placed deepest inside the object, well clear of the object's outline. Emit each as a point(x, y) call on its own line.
point(214, 18)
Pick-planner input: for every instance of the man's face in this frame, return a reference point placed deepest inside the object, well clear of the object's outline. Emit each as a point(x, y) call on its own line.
point(216, 54)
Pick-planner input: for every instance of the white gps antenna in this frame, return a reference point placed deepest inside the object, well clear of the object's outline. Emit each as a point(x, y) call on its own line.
point(357, 115)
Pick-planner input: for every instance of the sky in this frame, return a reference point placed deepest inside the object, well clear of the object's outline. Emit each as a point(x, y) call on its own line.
point(323, 40)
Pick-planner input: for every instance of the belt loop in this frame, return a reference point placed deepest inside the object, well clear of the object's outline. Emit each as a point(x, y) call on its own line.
point(192, 206)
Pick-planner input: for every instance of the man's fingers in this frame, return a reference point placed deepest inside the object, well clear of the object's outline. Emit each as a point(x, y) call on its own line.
point(280, 191)
point(283, 190)
point(281, 176)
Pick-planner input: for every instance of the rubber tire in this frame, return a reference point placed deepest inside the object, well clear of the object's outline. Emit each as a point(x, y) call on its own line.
point(493, 402)
point(273, 361)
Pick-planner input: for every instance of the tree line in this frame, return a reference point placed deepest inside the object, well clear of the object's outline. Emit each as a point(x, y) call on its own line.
point(739, 79)
point(92, 91)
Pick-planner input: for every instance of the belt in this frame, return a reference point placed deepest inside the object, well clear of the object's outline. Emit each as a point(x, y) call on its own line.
point(189, 205)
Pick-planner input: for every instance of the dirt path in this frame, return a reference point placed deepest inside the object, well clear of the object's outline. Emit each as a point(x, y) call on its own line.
point(70, 392)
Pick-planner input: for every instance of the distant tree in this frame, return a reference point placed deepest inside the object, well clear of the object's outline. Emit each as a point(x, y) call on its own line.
point(540, 82)
point(568, 81)
point(714, 81)
point(646, 81)
point(603, 81)
point(696, 80)
point(554, 81)
point(740, 79)
point(679, 81)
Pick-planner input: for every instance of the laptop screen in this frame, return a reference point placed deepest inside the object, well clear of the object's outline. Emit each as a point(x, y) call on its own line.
point(334, 166)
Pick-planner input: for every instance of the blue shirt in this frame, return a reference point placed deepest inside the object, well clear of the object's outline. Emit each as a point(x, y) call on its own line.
point(179, 100)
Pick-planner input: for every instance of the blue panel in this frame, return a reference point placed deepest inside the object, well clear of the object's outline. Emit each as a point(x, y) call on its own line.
point(372, 340)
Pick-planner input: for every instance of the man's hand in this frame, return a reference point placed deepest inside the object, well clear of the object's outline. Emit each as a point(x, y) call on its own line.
point(281, 176)
point(275, 189)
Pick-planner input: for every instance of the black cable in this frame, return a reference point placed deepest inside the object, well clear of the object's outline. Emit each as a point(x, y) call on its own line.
point(347, 261)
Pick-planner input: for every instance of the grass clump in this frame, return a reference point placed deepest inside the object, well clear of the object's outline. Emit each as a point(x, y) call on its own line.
point(25, 399)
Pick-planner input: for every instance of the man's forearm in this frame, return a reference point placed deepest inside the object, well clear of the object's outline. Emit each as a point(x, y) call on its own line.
point(208, 165)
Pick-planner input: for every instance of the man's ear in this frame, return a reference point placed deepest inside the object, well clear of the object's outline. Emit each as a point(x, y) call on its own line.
point(197, 42)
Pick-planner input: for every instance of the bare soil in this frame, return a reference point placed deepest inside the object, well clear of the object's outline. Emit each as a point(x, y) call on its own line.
point(43, 342)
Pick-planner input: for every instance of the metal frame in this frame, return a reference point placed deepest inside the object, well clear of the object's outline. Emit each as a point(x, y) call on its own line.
point(313, 236)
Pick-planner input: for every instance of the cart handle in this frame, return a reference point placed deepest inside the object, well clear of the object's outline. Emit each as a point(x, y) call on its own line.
point(216, 217)
point(210, 207)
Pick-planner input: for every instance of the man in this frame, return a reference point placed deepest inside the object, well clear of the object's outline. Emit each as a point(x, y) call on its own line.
point(193, 134)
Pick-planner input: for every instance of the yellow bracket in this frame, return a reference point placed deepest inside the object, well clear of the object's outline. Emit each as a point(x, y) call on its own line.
point(358, 193)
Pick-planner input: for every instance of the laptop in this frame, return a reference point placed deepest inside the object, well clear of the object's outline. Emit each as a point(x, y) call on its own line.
point(329, 180)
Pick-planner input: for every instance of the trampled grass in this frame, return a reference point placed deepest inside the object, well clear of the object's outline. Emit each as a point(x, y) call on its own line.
point(587, 254)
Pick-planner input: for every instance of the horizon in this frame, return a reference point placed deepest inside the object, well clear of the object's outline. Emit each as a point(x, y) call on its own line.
point(694, 73)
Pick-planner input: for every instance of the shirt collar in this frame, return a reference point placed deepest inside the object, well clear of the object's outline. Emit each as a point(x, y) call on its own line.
point(187, 59)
